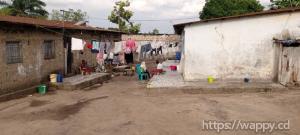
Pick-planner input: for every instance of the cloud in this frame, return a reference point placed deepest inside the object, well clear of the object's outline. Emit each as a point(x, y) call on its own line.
point(98, 10)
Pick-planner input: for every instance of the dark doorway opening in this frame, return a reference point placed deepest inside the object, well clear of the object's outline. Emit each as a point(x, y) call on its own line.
point(69, 55)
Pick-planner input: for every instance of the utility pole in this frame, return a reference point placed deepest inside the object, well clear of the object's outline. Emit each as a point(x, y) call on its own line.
point(65, 44)
point(63, 20)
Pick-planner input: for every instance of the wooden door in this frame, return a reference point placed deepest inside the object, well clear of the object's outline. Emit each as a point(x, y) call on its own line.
point(289, 66)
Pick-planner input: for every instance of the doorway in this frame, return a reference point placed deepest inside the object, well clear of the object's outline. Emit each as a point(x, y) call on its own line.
point(289, 66)
point(68, 55)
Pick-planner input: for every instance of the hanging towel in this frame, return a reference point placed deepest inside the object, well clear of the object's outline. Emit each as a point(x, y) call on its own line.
point(77, 44)
point(118, 47)
point(96, 45)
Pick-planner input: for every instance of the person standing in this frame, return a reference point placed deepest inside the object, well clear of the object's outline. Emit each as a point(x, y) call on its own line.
point(130, 48)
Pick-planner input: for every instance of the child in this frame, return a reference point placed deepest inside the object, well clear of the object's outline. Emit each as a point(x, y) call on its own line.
point(159, 65)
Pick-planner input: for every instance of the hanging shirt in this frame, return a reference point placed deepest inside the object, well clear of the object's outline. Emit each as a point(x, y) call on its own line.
point(131, 44)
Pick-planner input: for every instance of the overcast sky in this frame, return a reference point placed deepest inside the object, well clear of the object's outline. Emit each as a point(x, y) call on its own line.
point(167, 11)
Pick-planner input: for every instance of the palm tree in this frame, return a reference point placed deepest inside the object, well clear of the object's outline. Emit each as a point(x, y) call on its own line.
point(31, 8)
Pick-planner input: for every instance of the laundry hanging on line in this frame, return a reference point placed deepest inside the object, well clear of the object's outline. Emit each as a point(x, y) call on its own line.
point(77, 44)
point(96, 45)
point(118, 47)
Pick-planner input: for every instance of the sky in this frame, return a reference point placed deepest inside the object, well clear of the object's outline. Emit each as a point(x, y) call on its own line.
point(151, 14)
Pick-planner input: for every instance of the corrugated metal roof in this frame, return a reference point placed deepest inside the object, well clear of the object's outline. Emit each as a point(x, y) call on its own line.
point(50, 23)
point(179, 27)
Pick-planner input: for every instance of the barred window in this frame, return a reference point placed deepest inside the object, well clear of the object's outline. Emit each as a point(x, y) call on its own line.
point(49, 49)
point(13, 52)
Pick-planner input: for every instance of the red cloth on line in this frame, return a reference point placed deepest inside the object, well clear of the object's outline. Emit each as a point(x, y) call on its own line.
point(89, 45)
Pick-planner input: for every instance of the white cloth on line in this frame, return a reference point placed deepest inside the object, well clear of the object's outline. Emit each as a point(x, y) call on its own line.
point(111, 55)
point(77, 44)
point(118, 47)
point(154, 44)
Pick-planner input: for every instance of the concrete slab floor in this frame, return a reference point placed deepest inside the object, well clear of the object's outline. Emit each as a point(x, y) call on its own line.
point(83, 81)
point(82, 78)
point(174, 80)
point(124, 106)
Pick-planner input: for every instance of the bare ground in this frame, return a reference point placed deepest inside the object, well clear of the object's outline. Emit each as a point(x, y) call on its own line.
point(123, 106)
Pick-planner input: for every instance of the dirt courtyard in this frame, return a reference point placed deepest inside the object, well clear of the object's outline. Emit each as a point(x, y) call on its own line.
point(123, 106)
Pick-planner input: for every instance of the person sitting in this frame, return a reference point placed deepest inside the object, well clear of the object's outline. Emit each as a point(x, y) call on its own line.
point(159, 65)
point(144, 68)
point(84, 69)
point(158, 70)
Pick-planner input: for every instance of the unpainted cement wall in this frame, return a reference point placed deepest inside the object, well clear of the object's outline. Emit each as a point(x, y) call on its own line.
point(150, 37)
point(34, 69)
point(237, 48)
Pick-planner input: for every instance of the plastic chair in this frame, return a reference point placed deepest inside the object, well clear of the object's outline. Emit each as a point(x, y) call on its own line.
point(140, 72)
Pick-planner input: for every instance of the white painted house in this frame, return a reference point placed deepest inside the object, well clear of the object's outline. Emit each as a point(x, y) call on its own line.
point(236, 47)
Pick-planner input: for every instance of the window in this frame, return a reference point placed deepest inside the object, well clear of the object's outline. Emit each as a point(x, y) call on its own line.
point(13, 52)
point(49, 50)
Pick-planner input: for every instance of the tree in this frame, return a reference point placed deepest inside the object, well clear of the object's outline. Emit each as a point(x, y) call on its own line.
point(30, 8)
point(277, 4)
point(5, 11)
point(155, 31)
point(222, 8)
point(121, 16)
point(71, 15)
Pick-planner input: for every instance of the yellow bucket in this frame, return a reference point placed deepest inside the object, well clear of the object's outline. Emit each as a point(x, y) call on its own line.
point(53, 78)
point(210, 79)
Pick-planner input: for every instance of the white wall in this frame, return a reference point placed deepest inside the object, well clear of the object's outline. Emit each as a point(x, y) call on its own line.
point(237, 48)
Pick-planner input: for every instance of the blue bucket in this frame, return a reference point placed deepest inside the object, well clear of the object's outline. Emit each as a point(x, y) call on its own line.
point(178, 55)
point(60, 78)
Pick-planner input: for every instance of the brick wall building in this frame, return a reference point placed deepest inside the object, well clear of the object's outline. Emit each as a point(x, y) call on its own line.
point(23, 62)
point(32, 49)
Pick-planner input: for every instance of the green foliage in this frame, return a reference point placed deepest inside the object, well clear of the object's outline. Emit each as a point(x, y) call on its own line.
point(121, 16)
point(277, 4)
point(5, 11)
point(30, 8)
point(71, 15)
point(222, 8)
point(155, 31)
